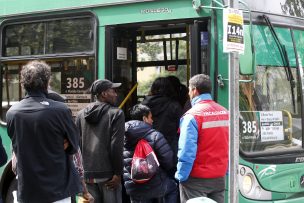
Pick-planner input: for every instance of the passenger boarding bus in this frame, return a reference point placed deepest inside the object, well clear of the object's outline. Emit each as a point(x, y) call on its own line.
point(135, 41)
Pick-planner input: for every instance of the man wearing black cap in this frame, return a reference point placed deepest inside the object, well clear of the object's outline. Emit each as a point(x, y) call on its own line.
point(102, 132)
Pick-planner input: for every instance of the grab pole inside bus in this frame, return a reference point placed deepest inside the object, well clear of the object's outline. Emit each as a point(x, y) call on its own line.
point(128, 96)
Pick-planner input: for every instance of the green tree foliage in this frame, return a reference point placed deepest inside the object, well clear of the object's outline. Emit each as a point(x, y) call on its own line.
point(154, 51)
point(293, 7)
point(144, 87)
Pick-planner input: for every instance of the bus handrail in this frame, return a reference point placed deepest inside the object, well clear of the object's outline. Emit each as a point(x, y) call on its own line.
point(128, 96)
point(220, 80)
point(289, 129)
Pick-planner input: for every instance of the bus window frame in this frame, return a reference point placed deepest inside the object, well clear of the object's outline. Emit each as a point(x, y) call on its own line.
point(36, 19)
point(300, 76)
point(42, 18)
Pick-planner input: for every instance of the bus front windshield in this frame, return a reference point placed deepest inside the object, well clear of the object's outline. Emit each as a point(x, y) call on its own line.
point(269, 119)
point(270, 105)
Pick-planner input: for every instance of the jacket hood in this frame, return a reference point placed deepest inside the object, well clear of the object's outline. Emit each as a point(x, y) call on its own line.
point(95, 111)
point(157, 103)
point(135, 130)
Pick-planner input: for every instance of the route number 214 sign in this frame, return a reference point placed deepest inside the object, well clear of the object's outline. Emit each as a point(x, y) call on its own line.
point(233, 31)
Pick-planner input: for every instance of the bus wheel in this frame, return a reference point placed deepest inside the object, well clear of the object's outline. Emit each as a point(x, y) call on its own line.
point(9, 195)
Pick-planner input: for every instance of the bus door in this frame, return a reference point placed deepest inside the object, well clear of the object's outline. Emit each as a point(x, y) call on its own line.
point(199, 47)
point(142, 52)
point(120, 63)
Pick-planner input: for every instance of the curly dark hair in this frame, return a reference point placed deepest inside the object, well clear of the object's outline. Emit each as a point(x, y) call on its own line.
point(162, 86)
point(35, 75)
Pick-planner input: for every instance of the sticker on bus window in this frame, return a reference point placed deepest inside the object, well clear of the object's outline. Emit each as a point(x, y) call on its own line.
point(76, 80)
point(122, 53)
point(261, 126)
point(271, 123)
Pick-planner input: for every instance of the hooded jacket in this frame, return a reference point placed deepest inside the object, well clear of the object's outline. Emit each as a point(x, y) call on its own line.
point(102, 131)
point(156, 186)
point(166, 114)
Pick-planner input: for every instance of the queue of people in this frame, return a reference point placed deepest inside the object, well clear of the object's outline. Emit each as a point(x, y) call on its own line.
point(93, 156)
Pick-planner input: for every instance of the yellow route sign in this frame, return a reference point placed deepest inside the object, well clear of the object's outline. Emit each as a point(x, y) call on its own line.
point(233, 37)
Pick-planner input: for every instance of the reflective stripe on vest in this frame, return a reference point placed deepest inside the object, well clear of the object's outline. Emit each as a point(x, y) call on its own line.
point(215, 124)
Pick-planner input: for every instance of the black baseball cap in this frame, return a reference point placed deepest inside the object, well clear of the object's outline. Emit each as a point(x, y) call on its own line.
point(102, 85)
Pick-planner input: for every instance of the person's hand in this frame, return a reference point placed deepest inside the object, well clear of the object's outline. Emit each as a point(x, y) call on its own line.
point(114, 182)
point(88, 197)
point(65, 144)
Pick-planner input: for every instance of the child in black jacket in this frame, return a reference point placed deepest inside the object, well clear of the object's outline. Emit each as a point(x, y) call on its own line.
point(160, 186)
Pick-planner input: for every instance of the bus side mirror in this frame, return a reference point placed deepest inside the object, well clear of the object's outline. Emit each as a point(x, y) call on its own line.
point(247, 60)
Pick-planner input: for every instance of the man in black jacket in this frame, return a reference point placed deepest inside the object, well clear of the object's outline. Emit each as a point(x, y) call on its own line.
point(38, 127)
point(102, 131)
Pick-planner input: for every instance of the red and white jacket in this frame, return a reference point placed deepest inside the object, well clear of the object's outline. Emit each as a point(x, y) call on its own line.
point(203, 145)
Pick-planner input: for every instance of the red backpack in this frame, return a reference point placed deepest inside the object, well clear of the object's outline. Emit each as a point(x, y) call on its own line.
point(144, 162)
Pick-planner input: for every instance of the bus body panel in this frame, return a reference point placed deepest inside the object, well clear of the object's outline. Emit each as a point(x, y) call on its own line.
point(283, 184)
point(39, 7)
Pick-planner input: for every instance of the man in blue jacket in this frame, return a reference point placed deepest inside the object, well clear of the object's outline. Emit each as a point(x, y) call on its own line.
point(203, 145)
point(38, 127)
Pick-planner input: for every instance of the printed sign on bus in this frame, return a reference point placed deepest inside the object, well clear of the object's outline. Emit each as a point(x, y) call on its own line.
point(262, 126)
point(75, 87)
point(233, 31)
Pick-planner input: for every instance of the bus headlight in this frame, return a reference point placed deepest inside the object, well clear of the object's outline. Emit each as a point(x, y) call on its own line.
point(249, 185)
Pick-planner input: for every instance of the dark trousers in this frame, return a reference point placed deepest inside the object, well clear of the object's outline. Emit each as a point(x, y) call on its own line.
point(213, 188)
point(171, 195)
point(102, 194)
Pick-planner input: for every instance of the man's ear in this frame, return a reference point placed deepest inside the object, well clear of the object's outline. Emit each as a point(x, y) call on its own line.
point(103, 94)
point(195, 92)
point(144, 118)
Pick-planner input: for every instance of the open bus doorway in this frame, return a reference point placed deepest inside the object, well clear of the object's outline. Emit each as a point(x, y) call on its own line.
point(140, 53)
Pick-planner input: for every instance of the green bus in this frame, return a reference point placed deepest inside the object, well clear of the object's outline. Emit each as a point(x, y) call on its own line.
point(135, 41)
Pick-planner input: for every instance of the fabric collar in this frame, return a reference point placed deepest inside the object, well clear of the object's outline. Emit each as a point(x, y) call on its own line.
point(201, 97)
point(35, 94)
